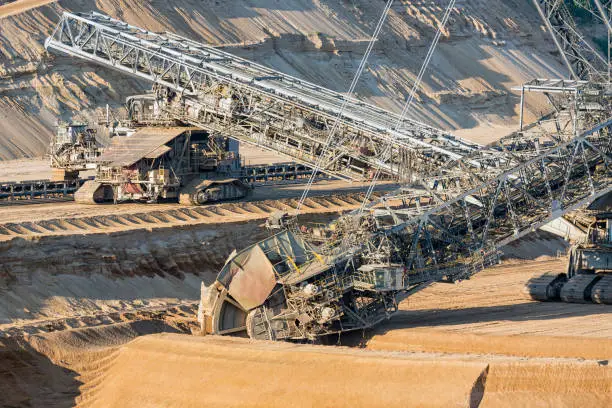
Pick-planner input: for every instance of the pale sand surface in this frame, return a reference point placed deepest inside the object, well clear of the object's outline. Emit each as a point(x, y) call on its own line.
point(451, 345)
point(38, 212)
point(184, 371)
point(491, 314)
point(498, 349)
point(19, 6)
point(25, 169)
point(232, 372)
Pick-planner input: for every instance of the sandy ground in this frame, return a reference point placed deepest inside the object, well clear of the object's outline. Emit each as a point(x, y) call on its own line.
point(25, 169)
point(479, 343)
point(59, 268)
point(38, 212)
point(455, 345)
point(19, 6)
point(490, 314)
point(224, 372)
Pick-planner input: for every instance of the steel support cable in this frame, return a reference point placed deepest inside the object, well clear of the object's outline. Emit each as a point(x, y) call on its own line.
point(409, 101)
point(585, 44)
point(605, 17)
point(600, 14)
point(333, 130)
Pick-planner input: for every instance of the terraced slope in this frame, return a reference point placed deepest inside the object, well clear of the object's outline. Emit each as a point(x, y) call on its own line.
point(74, 219)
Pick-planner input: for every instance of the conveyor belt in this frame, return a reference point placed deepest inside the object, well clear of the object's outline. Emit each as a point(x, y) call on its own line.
point(223, 93)
point(38, 191)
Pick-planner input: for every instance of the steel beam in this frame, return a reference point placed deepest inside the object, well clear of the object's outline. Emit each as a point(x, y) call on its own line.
point(220, 91)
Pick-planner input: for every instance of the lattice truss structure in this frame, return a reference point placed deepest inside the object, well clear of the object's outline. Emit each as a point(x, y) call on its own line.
point(452, 221)
point(466, 212)
point(468, 208)
point(581, 57)
point(462, 200)
point(222, 93)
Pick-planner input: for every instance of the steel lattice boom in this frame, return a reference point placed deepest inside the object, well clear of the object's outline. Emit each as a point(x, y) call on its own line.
point(581, 58)
point(222, 93)
point(470, 212)
point(463, 200)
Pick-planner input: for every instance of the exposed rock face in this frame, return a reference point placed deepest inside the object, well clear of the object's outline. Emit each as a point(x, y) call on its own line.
point(488, 47)
point(85, 274)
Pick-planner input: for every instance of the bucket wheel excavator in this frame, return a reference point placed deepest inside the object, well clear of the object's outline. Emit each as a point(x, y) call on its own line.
point(445, 228)
point(460, 202)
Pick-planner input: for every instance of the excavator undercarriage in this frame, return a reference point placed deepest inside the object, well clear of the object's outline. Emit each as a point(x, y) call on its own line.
point(589, 270)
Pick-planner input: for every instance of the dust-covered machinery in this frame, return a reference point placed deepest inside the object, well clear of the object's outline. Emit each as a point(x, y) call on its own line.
point(73, 149)
point(589, 269)
point(153, 163)
point(445, 227)
point(460, 203)
point(282, 289)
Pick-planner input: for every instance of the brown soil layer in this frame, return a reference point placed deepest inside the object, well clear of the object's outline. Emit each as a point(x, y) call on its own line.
point(39, 220)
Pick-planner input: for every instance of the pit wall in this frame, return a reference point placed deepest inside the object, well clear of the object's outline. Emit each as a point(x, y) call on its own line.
point(58, 276)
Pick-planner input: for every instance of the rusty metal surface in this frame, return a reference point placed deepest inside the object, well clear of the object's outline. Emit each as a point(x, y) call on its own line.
point(145, 143)
point(252, 278)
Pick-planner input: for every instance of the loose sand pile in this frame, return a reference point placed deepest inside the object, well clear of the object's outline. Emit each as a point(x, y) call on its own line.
point(54, 369)
point(479, 343)
point(185, 371)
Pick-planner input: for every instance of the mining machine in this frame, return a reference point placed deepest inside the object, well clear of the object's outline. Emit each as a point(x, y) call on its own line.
point(166, 163)
point(446, 227)
point(589, 269)
point(460, 202)
point(584, 97)
point(205, 87)
point(73, 149)
point(216, 91)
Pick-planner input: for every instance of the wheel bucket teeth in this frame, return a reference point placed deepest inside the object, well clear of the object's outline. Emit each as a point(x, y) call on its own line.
point(578, 289)
point(602, 291)
point(546, 287)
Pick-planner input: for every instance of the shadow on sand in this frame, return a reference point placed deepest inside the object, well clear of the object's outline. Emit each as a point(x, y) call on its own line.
point(30, 379)
point(528, 311)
